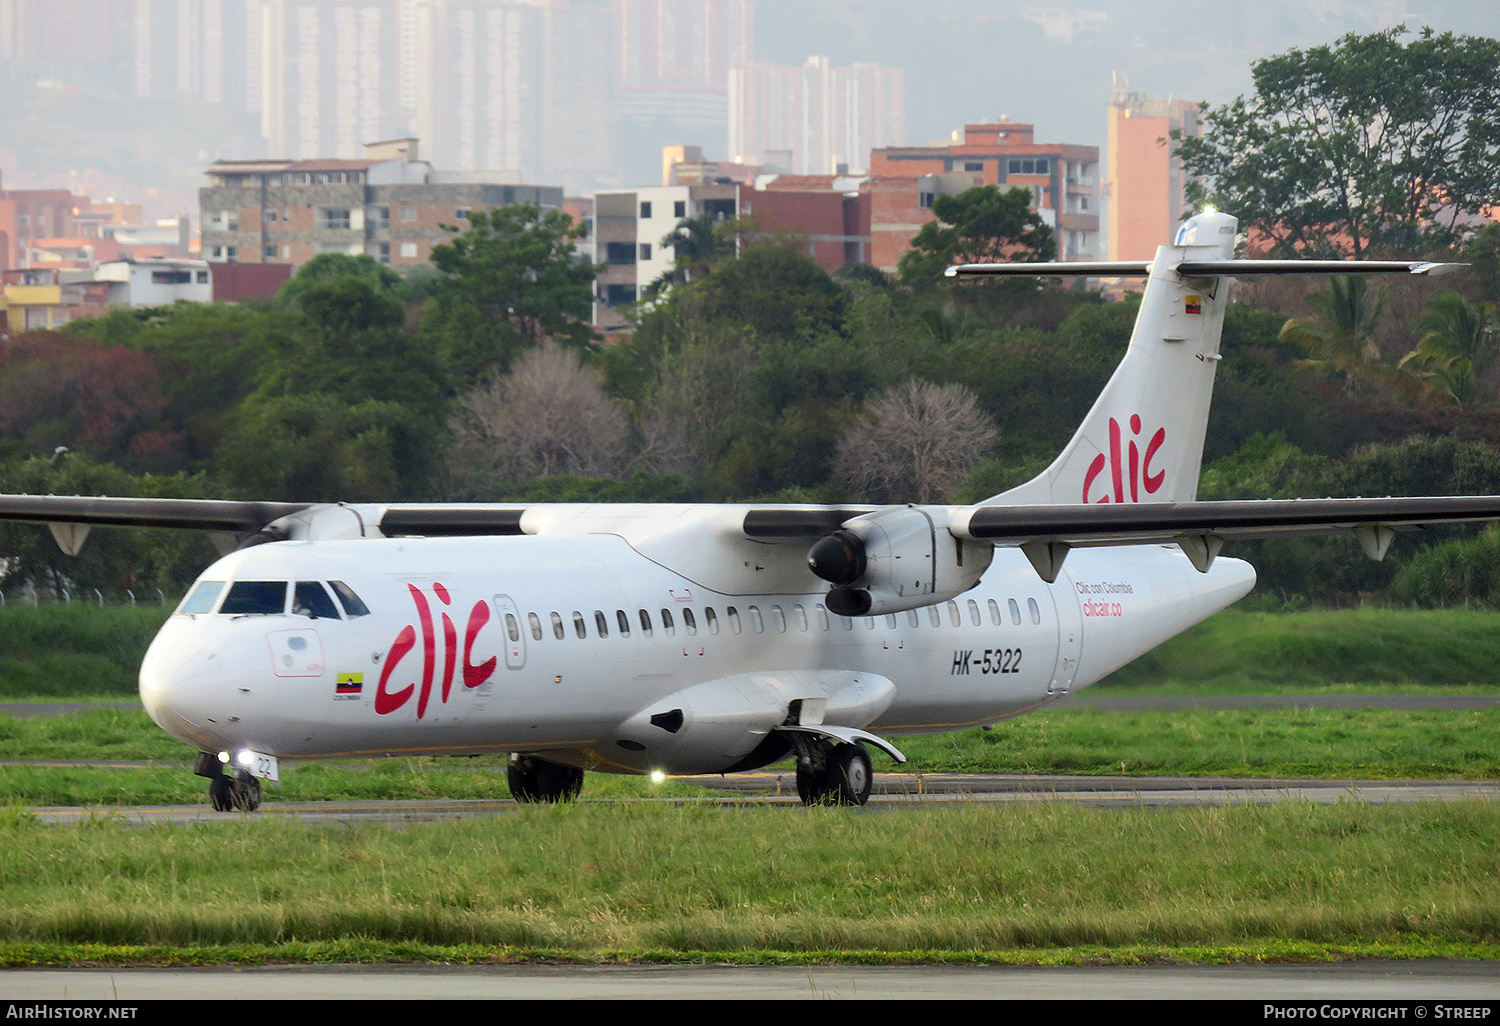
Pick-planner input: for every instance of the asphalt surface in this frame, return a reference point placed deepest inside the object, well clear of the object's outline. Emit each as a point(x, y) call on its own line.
point(1439, 989)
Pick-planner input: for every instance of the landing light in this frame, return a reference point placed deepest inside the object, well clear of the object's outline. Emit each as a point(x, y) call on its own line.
point(1210, 209)
point(224, 757)
point(245, 758)
point(657, 776)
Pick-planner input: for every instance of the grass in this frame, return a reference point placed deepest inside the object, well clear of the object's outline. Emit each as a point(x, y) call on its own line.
point(1324, 650)
point(652, 882)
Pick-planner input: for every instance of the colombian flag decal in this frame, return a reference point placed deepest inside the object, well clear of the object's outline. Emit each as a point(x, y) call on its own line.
point(349, 685)
point(1194, 304)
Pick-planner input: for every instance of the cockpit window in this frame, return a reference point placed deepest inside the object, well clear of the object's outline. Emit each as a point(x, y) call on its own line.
point(255, 597)
point(352, 605)
point(311, 599)
point(202, 598)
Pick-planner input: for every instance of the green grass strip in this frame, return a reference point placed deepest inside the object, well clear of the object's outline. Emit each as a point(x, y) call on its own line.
point(650, 881)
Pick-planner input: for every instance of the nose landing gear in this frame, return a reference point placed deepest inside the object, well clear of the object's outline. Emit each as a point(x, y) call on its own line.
point(227, 792)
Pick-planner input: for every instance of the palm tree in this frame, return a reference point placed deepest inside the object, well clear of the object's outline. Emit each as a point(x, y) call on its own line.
point(1342, 339)
point(695, 246)
point(1458, 348)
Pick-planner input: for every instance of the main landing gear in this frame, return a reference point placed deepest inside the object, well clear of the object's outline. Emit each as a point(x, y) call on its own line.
point(831, 773)
point(227, 792)
point(537, 780)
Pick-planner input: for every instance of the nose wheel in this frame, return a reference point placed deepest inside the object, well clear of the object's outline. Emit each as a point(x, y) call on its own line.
point(240, 792)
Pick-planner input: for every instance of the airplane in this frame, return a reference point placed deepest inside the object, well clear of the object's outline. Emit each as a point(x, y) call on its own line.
point(713, 639)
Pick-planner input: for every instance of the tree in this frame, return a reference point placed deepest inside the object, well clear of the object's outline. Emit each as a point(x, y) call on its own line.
point(697, 245)
point(1371, 143)
point(1342, 339)
point(981, 225)
point(918, 442)
point(327, 267)
point(1458, 348)
point(513, 278)
point(548, 416)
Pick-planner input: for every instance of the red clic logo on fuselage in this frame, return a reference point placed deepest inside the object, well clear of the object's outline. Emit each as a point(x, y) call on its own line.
point(1130, 469)
point(388, 701)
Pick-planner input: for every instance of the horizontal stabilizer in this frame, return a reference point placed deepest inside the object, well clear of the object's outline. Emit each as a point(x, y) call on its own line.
point(1202, 268)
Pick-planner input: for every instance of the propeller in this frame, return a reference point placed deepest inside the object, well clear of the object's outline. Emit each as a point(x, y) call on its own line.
point(840, 560)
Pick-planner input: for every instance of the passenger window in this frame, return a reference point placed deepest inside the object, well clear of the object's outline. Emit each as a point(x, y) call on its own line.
point(974, 613)
point(1036, 613)
point(645, 623)
point(778, 619)
point(890, 620)
point(311, 599)
point(623, 619)
point(536, 626)
point(666, 622)
point(580, 625)
point(801, 617)
point(994, 612)
point(601, 623)
point(1015, 613)
point(558, 630)
point(934, 616)
point(352, 605)
point(202, 598)
point(512, 628)
point(869, 623)
point(912, 619)
point(756, 624)
point(711, 619)
point(822, 616)
point(953, 613)
point(255, 597)
point(734, 619)
point(688, 621)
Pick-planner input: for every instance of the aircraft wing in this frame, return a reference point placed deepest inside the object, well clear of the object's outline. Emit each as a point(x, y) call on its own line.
point(202, 514)
point(1239, 520)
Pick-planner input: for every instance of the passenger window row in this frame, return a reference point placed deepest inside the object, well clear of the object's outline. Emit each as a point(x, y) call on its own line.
point(665, 621)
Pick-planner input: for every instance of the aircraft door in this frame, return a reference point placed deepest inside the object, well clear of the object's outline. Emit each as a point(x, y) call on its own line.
point(515, 631)
point(1069, 634)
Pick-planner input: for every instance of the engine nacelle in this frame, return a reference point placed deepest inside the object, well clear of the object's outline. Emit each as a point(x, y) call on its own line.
point(897, 559)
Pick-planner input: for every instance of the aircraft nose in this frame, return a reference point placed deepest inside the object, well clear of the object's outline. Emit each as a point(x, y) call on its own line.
point(177, 693)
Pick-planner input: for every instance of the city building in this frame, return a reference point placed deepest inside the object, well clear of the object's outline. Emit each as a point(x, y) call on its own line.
point(157, 281)
point(839, 219)
point(35, 300)
point(672, 58)
point(629, 226)
point(1061, 177)
point(389, 205)
point(1145, 187)
point(816, 118)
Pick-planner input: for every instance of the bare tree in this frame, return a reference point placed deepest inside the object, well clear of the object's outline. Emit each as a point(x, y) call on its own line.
point(548, 416)
point(918, 441)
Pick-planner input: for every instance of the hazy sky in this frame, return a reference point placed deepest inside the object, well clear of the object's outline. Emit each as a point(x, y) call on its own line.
point(1050, 63)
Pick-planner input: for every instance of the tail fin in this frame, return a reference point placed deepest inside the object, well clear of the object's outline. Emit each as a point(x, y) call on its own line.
point(1143, 439)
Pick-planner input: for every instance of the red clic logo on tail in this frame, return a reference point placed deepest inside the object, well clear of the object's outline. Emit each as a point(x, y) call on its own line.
point(387, 701)
point(1130, 468)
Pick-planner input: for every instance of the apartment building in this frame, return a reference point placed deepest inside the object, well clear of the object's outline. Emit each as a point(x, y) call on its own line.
point(390, 205)
point(1146, 188)
point(1063, 178)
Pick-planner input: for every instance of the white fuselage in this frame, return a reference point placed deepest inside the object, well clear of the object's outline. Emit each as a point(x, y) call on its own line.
point(494, 644)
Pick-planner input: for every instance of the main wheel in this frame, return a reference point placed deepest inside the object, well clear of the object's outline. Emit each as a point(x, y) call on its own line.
point(851, 775)
point(838, 774)
point(537, 780)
